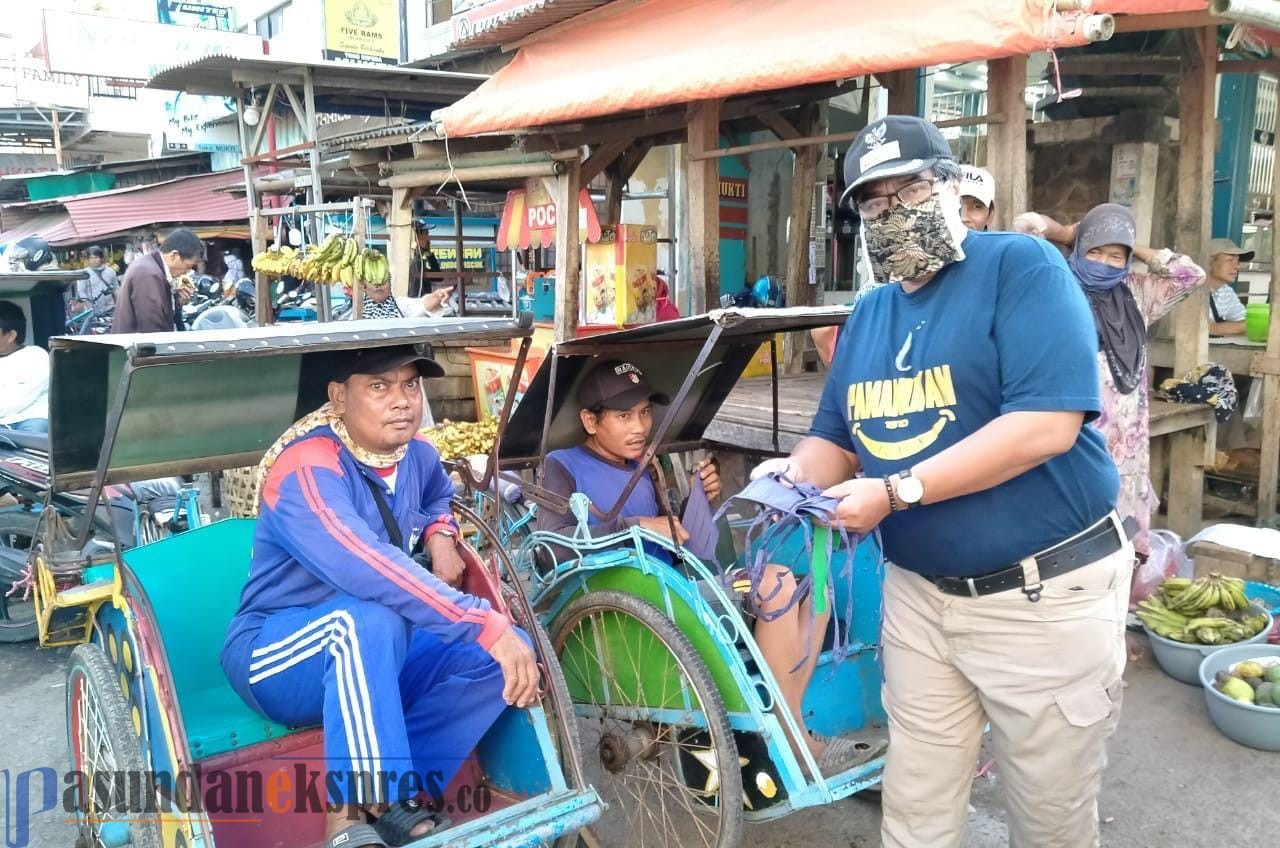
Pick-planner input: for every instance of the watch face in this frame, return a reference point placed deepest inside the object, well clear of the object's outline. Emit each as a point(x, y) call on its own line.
point(910, 490)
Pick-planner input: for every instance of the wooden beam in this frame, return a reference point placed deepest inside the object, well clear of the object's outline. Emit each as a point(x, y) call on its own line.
point(1168, 20)
point(427, 179)
point(1196, 133)
point(970, 121)
point(458, 249)
point(568, 252)
point(634, 155)
point(400, 230)
point(1103, 65)
point(782, 144)
point(280, 153)
point(803, 177)
point(704, 205)
point(360, 231)
point(1250, 66)
point(902, 91)
point(1269, 472)
point(780, 126)
point(602, 156)
point(1007, 141)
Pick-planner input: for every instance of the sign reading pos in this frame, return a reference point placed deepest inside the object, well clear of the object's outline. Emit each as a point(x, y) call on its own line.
point(363, 31)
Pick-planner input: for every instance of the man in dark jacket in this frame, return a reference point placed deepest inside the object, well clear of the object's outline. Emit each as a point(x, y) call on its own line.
point(147, 302)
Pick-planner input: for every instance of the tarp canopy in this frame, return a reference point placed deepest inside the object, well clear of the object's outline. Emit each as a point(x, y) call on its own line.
point(648, 54)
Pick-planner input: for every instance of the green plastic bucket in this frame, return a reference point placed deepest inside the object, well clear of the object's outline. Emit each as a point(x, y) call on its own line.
point(1257, 317)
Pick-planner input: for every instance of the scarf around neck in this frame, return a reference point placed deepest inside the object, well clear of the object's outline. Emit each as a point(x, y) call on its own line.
point(325, 416)
point(1122, 329)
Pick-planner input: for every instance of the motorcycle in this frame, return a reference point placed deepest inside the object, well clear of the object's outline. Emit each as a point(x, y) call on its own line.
point(133, 515)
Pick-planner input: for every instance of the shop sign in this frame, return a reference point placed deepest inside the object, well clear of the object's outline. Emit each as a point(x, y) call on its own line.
point(95, 45)
point(733, 188)
point(199, 15)
point(38, 86)
point(530, 215)
point(472, 258)
point(474, 18)
point(362, 31)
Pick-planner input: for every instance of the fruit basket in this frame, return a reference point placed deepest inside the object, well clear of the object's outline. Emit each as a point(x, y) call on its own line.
point(1251, 718)
point(1187, 620)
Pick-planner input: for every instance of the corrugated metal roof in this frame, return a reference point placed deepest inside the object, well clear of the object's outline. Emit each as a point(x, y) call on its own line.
point(507, 21)
point(53, 227)
point(339, 86)
point(420, 131)
point(187, 200)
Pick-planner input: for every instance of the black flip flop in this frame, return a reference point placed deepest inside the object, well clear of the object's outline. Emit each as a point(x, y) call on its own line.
point(356, 836)
point(397, 823)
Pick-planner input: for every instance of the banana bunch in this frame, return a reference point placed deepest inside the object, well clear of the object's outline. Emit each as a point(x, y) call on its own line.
point(459, 439)
point(337, 259)
point(1207, 611)
point(275, 260)
point(1189, 596)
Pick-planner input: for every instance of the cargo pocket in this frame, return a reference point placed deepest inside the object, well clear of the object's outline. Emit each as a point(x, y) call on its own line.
point(1086, 704)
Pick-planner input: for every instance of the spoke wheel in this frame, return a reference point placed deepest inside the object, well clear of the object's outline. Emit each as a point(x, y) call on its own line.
point(18, 529)
point(104, 743)
point(648, 707)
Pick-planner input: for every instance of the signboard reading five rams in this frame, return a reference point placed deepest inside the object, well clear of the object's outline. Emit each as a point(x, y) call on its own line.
point(363, 31)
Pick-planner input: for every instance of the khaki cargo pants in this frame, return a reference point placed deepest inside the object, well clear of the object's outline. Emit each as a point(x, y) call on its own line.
point(1045, 674)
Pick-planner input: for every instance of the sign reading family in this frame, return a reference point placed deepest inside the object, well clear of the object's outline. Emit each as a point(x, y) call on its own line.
point(362, 31)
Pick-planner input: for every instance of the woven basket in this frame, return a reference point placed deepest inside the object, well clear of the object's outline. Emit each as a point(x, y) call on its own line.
point(237, 491)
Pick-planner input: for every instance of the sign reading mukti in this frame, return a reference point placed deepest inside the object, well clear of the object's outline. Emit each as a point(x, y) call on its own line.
point(362, 31)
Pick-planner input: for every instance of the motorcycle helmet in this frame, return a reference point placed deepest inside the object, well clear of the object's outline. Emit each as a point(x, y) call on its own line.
point(207, 286)
point(247, 295)
point(766, 292)
point(33, 254)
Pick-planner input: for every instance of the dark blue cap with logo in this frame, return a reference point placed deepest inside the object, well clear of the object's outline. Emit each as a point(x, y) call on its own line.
point(893, 146)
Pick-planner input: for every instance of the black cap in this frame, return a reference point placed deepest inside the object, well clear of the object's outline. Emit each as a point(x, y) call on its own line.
point(893, 146)
point(380, 360)
point(619, 385)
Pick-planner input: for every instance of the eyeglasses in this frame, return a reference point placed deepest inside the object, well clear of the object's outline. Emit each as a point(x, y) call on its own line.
point(913, 192)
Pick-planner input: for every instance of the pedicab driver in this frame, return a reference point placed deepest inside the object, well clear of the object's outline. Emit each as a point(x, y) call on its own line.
point(953, 420)
point(338, 626)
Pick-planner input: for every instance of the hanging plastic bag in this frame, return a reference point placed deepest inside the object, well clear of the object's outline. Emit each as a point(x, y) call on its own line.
point(1253, 404)
point(1167, 558)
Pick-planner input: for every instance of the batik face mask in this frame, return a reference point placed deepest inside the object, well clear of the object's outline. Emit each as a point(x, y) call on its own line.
point(913, 241)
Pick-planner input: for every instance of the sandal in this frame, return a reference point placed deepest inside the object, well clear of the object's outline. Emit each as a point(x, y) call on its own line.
point(356, 836)
point(842, 754)
point(396, 825)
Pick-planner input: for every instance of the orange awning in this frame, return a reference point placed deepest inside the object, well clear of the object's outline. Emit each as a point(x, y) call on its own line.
point(653, 53)
point(529, 220)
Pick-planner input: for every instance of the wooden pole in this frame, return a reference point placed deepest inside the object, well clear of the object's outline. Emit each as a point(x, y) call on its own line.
point(317, 188)
point(57, 138)
point(902, 91)
point(257, 224)
point(568, 252)
point(799, 292)
point(361, 234)
point(1269, 473)
point(704, 206)
point(461, 281)
point(1196, 133)
point(1007, 151)
point(400, 231)
point(614, 183)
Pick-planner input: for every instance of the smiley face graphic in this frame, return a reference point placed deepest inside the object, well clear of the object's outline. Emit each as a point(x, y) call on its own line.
point(926, 398)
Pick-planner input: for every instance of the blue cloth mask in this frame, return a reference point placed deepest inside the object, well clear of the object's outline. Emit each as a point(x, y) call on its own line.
point(1096, 276)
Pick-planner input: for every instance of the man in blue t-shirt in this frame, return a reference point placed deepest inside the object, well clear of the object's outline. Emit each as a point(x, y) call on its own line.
point(953, 421)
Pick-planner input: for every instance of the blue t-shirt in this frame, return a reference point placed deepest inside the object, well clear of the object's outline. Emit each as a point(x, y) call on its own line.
point(1006, 330)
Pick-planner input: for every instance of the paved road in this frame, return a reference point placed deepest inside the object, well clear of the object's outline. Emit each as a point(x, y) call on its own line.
point(1173, 781)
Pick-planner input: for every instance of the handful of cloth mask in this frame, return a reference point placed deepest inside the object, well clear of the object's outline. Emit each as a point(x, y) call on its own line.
point(784, 510)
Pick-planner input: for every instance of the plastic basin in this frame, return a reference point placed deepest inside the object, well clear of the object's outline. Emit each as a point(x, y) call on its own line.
point(1256, 727)
point(1257, 319)
point(1182, 662)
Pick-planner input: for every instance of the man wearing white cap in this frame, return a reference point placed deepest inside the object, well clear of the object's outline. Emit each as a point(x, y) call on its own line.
point(977, 196)
point(1226, 312)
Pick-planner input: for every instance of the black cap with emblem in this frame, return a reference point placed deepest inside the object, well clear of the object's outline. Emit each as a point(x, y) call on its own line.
point(380, 360)
point(614, 384)
point(893, 146)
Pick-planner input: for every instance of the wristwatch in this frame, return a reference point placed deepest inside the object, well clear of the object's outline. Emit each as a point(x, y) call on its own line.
point(910, 489)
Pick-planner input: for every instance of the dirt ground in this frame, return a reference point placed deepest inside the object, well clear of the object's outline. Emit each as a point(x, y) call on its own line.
point(1173, 780)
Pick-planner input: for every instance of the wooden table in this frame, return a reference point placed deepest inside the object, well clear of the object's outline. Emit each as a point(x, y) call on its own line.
point(745, 421)
point(1167, 418)
point(1235, 354)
